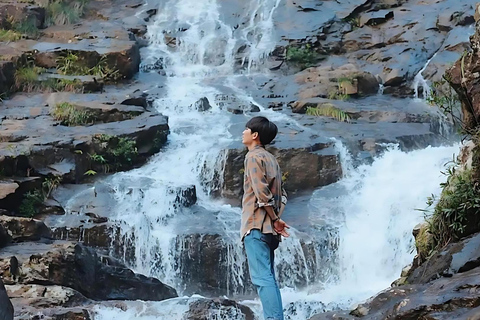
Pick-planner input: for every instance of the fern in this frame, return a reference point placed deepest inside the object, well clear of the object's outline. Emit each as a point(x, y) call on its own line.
point(328, 111)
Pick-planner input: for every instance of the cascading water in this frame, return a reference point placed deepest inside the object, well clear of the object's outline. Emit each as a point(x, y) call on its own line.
point(419, 81)
point(371, 210)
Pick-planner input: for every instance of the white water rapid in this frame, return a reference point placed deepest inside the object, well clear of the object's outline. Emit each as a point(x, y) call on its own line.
point(364, 221)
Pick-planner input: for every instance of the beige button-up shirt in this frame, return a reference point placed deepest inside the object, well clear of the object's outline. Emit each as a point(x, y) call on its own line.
point(262, 186)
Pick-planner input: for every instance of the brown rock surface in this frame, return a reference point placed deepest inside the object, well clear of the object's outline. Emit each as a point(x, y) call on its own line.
point(25, 229)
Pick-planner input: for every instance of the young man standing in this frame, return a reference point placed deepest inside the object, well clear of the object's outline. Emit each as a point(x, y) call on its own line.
point(262, 205)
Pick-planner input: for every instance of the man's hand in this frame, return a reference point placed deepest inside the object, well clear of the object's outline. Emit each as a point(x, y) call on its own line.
point(280, 227)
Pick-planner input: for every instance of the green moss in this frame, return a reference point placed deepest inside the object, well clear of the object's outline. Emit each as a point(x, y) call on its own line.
point(70, 115)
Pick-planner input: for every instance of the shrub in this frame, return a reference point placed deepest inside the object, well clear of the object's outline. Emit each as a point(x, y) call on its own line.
point(118, 151)
point(9, 35)
point(304, 57)
point(26, 78)
point(27, 27)
point(70, 115)
point(31, 201)
point(62, 12)
point(71, 64)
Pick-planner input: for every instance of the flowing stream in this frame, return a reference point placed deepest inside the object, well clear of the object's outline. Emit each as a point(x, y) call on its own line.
point(359, 231)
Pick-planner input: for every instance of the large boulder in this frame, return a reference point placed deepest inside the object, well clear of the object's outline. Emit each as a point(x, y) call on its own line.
point(6, 308)
point(24, 229)
point(80, 268)
point(323, 168)
point(202, 309)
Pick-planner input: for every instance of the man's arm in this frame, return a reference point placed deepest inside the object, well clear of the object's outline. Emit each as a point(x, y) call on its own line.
point(265, 199)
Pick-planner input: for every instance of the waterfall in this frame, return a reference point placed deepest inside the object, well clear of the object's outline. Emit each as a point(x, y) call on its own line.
point(375, 211)
point(195, 48)
point(356, 222)
point(419, 81)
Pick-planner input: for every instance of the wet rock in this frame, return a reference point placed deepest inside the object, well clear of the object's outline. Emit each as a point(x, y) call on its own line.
point(93, 236)
point(203, 309)
point(7, 72)
point(25, 229)
point(55, 313)
point(446, 298)
point(202, 264)
point(13, 195)
point(455, 258)
point(323, 169)
point(332, 82)
point(6, 308)
point(186, 197)
point(39, 146)
point(139, 101)
point(19, 12)
point(41, 296)
point(80, 268)
point(375, 18)
point(203, 105)
point(5, 238)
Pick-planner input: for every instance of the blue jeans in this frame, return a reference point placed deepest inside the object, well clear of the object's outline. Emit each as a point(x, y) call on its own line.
point(260, 263)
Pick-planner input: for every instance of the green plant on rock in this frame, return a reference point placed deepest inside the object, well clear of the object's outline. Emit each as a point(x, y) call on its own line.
point(104, 71)
point(50, 184)
point(446, 99)
point(336, 95)
point(305, 57)
point(118, 151)
point(26, 78)
point(70, 115)
point(27, 27)
point(61, 12)
point(30, 203)
point(328, 111)
point(457, 212)
point(70, 64)
point(9, 35)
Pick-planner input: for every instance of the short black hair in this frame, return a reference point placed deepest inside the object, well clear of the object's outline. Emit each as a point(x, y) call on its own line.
point(267, 130)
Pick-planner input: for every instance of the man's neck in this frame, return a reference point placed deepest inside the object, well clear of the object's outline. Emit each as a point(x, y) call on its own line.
point(253, 145)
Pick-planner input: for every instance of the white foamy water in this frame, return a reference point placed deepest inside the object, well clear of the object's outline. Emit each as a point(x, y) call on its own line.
point(376, 216)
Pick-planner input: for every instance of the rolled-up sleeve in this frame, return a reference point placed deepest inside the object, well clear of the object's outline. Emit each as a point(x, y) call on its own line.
point(256, 171)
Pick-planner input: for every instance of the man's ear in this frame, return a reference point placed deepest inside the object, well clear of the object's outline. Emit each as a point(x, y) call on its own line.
point(255, 135)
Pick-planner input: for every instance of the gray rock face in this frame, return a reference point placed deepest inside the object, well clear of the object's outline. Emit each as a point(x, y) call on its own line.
point(6, 308)
point(80, 268)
